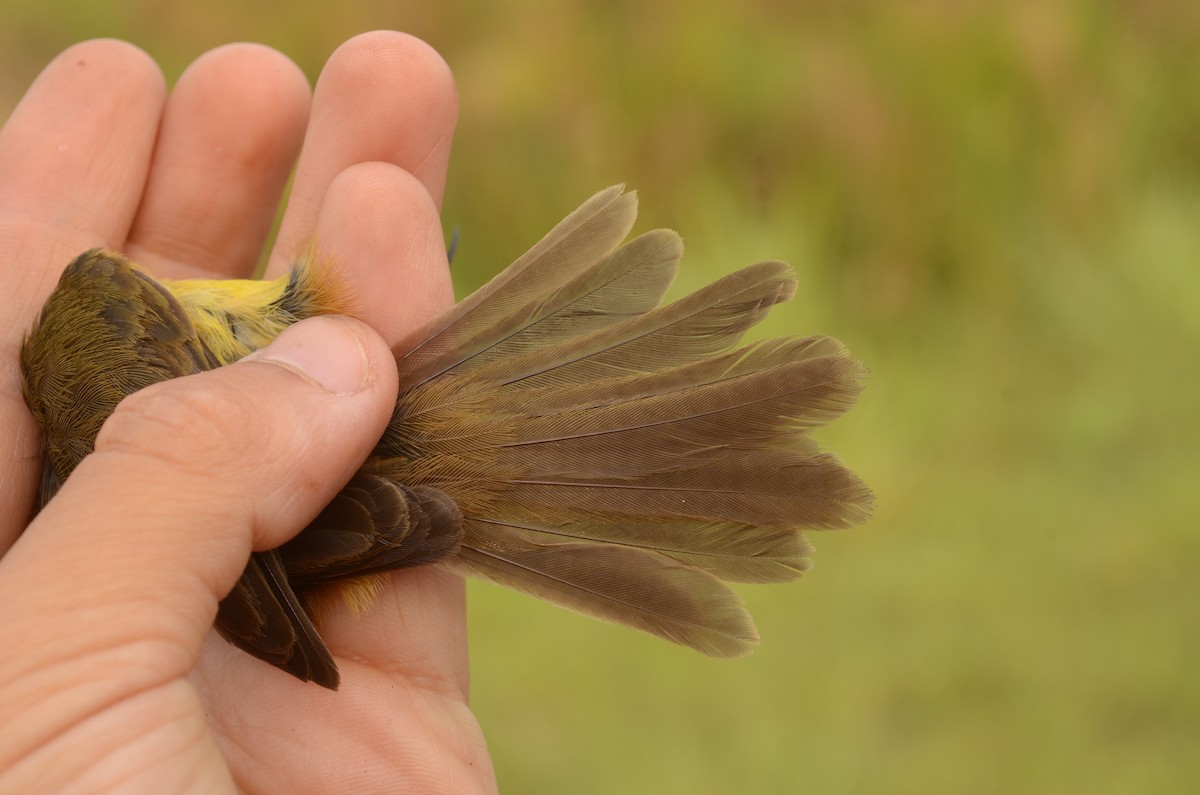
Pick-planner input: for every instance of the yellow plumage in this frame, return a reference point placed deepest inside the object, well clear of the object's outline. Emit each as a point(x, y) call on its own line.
point(234, 317)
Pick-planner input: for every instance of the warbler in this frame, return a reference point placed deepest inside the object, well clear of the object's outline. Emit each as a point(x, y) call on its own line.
point(557, 432)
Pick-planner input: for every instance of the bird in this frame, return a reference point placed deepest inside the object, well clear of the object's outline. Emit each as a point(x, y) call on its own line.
point(560, 431)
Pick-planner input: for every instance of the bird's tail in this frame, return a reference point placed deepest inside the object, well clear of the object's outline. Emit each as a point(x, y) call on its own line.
point(621, 458)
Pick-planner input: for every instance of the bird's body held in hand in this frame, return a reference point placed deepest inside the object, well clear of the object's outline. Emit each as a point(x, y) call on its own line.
point(557, 432)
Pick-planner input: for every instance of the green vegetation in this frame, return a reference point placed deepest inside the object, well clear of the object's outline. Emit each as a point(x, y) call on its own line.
point(996, 206)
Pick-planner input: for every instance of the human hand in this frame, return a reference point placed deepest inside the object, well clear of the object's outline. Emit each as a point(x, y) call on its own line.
point(114, 681)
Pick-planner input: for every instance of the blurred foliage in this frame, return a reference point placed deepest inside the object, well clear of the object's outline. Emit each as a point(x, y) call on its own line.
point(995, 204)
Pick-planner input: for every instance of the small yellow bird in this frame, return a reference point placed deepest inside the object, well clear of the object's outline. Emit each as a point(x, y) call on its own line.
point(557, 432)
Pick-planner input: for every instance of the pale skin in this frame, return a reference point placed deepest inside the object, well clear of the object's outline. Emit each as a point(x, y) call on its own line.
point(112, 679)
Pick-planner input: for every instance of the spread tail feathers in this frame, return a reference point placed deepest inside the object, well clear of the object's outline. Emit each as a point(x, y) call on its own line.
point(620, 458)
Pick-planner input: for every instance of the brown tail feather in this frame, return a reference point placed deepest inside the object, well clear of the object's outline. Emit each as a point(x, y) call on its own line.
point(514, 298)
point(624, 585)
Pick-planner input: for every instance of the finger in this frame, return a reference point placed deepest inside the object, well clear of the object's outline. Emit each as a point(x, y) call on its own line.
point(75, 152)
point(73, 160)
point(229, 137)
point(382, 96)
point(416, 628)
point(116, 582)
point(382, 228)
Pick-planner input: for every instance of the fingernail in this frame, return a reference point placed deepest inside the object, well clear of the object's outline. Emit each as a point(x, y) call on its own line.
point(324, 350)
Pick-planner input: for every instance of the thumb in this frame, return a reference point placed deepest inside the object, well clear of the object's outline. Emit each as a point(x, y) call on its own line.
point(119, 576)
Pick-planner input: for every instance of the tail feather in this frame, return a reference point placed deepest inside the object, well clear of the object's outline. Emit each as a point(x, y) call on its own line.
point(626, 586)
point(728, 550)
point(774, 488)
point(739, 407)
point(629, 282)
point(757, 357)
point(514, 299)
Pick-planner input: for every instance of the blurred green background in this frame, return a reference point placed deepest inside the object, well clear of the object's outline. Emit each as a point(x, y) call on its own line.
point(995, 204)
